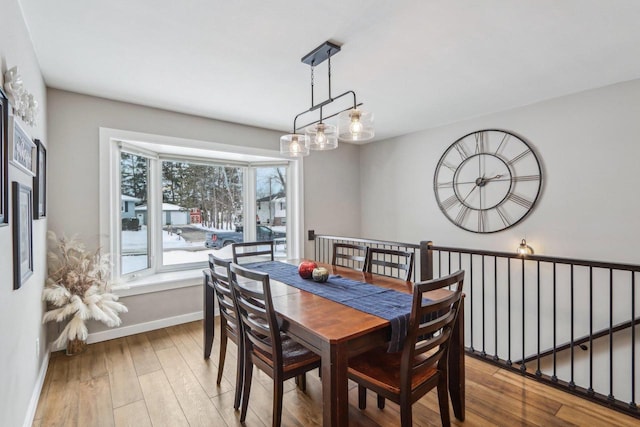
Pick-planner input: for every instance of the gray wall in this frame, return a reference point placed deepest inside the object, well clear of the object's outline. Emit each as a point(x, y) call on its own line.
point(331, 179)
point(21, 310)
point(588, 208)
point(588, 144)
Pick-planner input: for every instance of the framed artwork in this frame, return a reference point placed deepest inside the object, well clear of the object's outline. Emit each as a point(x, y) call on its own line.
point(4, 156)
point(40, 182)
point(22, 234)
point(22, 149)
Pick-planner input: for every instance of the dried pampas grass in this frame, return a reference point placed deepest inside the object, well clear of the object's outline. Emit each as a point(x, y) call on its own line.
point(78, 287)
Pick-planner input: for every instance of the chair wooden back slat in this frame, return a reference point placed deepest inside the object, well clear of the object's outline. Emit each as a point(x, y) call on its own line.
point(252, 249)
point(230, 327)
point(265, 346)
point(220, 274)
point(380, 259)
point(430, 339)
point(255, 310)
point(347, 255)
point(406, 376)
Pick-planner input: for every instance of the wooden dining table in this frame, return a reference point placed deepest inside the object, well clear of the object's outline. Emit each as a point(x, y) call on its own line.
point(337, 332)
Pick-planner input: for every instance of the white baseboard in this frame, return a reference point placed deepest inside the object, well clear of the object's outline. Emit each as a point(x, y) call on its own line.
point(37, 390)
point(138, 328)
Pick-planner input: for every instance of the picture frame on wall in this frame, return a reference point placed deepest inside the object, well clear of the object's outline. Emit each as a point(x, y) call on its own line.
point(4, 156)
point(40, 182)
point(22, 233)
point(22, 149)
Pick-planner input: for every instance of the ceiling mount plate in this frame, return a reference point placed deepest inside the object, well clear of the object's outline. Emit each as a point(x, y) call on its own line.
point(321, 53)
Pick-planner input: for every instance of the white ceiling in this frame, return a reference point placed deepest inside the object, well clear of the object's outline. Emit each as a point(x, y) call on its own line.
point(415, 64)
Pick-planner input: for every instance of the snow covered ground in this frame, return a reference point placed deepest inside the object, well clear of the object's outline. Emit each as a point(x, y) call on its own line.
point(176, 249)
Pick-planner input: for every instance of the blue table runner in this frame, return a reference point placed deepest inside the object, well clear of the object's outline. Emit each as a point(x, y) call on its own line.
point(388, 304)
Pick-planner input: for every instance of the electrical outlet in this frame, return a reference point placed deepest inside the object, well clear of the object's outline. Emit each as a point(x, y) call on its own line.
point(37, 348)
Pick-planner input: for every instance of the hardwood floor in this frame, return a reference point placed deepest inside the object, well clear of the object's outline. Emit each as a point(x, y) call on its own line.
point(160, 378)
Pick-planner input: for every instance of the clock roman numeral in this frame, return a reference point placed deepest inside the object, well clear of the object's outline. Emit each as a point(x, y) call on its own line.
point(519, 156)
point(462, 150)
point(480, 142)
point(448, 184)
point(450, 202)
point(462, 214)
point(503, 216)
point(482, 220)
point(525, 203)
point(526, 178)
point(449, 166)
point(505, 138)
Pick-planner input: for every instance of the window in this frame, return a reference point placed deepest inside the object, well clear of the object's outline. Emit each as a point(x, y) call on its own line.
point(134, 238)
point(271, 185)
point(198, 199)
point(167, 203)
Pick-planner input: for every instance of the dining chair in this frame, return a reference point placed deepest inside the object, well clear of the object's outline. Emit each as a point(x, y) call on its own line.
point(349, 255)
point(208, 321)
point(229, 324)
point(404, 377)
point(265, 346)
point(390, 262)
point(252, 250)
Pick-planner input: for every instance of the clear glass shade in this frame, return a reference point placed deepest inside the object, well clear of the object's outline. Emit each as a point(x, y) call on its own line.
point(294, 145)
point(355, 125)
point(524, 249)
point(322, 136)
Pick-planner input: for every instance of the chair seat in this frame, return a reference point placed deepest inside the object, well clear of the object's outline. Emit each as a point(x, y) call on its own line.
point(294, 355)
point(383, 369)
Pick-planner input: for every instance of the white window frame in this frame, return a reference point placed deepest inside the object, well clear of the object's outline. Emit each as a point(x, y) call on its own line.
point(161, 277)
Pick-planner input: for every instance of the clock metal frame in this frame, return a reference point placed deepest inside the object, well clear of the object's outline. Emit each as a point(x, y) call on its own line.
point(487, 181)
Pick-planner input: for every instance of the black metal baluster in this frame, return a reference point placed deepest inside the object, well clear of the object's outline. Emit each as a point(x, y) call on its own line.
point(632, 404)
point(495, 305)
point(610, 397)
point(538, 372)
point(509, 362)
point(523, 366)
point(483, 352)
point(554, 377)
point(572, 384)
point(590, 389)
point(471, 296)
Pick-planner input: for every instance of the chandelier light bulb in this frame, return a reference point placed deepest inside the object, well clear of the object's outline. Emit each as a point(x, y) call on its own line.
point(295, 145)
point(321, 138)
point(356, 125)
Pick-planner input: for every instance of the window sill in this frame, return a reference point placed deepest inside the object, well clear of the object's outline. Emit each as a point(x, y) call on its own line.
point(161, 282)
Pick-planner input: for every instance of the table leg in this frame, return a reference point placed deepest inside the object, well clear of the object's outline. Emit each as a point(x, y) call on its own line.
point(335, 396)
point(456, 366)
point(208, 307)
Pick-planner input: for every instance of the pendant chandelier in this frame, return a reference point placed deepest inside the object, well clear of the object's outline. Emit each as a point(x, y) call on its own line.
point(354, 124)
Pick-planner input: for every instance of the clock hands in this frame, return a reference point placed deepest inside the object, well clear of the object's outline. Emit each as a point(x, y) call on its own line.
point(478, 183)
point(469, 193)
point(481, 181)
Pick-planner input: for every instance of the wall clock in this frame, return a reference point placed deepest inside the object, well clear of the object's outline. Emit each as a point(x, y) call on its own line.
point(487, 181)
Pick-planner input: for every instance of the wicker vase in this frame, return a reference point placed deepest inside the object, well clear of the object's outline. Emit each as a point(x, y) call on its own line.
point(76, 347)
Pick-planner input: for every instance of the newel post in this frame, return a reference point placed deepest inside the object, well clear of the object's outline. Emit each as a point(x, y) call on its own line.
point(426, 260)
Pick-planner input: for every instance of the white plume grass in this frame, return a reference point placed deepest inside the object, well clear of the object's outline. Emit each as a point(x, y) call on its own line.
point(78, 289)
